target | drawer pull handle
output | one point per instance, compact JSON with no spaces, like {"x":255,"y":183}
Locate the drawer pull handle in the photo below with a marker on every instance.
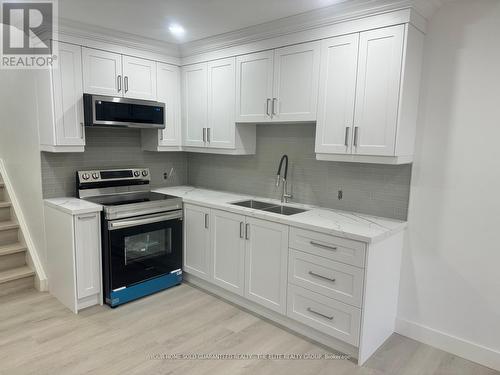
{"x":319,"y":314}
{"x":314,"y":243}
{"x":321,"y":276}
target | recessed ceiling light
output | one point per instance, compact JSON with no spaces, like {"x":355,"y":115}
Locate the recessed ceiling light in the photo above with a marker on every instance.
{"x":176,"y":29}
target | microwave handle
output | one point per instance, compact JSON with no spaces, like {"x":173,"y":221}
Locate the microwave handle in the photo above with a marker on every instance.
{"x":142,"y":221}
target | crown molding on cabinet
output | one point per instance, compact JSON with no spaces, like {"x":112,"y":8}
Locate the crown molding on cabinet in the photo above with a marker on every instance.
{"x":114,"y":41}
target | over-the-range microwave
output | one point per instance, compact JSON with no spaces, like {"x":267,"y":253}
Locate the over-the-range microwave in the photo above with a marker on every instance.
{"x":109,"y":111}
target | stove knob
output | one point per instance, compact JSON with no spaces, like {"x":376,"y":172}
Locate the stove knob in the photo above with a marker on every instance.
{"x":85,"y":176}
{"x":95,"y":176}
{"x":144,"y":173}
{"x":137,"y":173}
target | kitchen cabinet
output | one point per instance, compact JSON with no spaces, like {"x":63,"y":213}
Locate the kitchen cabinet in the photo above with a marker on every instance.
{"x":368,"y":96}
{"x":196,"y":259}
{"x":279,"y":85}
{"x":139,"y":78}
{"x":221,"y":101}
{"x":195,"y":102}
{"x":266,"y":263}
{"x":168,"y":92}
{"x":60,"y":103}
{"x":228,"y":250}
{"x":113,"y":74}
{"x":254,"y":87}
{"x":74,"y":256}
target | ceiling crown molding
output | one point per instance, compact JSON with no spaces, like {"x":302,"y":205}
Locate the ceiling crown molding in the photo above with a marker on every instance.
{"x":99,"y":34}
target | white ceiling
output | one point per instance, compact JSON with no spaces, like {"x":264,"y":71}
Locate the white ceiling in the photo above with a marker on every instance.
{"x":200,"y":18}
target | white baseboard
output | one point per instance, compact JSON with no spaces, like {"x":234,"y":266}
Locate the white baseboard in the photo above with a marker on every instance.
{"x":463,"y":348}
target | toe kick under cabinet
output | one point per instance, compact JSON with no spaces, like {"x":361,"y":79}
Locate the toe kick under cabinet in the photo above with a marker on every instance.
{"x":337,"y":291}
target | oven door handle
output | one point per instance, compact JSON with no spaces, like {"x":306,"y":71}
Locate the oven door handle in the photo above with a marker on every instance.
{"x":143,"y":220}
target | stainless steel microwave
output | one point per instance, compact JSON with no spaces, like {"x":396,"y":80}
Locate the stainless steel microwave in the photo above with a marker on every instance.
{"x":109,"y":111}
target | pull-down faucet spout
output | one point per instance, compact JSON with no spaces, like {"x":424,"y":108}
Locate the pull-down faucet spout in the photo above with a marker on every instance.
{"x":284,"y":194}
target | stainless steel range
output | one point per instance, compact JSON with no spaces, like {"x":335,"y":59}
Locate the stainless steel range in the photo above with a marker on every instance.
{"x":141,"y":233}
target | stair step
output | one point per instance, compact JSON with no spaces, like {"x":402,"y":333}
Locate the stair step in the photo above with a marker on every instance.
{"x":12,"y":249}
{"x":8,"y":225}
{"x":15,"y":274}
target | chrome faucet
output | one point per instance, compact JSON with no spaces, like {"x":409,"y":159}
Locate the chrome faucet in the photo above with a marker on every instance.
{"x":285,"y":196}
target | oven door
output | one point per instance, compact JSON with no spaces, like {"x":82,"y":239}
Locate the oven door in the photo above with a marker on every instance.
{"x":144,"y":247}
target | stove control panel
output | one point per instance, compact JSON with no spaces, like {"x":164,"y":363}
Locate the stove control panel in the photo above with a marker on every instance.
{"x":86,"y":177}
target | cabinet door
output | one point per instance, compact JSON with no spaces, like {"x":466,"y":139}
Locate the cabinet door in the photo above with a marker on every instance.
{"x":197,"y":241}
{"x":377,"y":93}
{"x":194,"y":81}
{"x":102,"y":72}
{"x":337,"y":89}
{"x":228,"y":250}
{"x":221,"y":94}
{"x":169,"y":92}
{"x":254,"y":87}
{"x":296,"y":78}
{"x":88,"y":254}
{"x":266,"y":263}
{"x":139,"y":78}
{"x":68,"y":96}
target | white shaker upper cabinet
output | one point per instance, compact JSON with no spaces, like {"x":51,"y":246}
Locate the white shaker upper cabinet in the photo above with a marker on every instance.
{"x":139,"y":78}
{"x":377,"y":93}
{"x":266,"y":263}
{"x":194,"y":80}
{"x":68,"y":97}
{"x":102,"y":72}
{"x":168,"y":92}
{"x":221,"y":93}
{"x":337,"y":89}
{"x":254,"y":87}
{"x":228,"y":250}
{"x":296,"y":78}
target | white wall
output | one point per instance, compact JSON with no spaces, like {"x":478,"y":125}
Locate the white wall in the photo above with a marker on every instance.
{"x":450,"y":281}
{"x":19,"y":148}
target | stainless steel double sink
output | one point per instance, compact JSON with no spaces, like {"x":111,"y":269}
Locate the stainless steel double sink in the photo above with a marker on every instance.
{"x":269,"y":207}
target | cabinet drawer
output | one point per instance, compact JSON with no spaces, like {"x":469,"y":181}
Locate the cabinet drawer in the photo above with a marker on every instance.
{"x":331,"y":247}
{"x":327,"y":315}
{"x":332,"y":279}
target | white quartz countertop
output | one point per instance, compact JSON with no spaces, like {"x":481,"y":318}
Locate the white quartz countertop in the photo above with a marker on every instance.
{"x":345,"y":224}
{"x":73,"y":206}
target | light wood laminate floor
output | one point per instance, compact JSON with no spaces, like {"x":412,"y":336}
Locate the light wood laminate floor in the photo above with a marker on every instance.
{"x":40,"y":336}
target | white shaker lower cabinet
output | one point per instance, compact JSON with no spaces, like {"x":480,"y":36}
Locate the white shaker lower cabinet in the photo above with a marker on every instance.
{"x":337,"y":291}
{"x":196,"y":258}
{"x":60,"y":103}
{"x":228,"y":250}
{"x":74,"y":257}
{"x":266,"y":263}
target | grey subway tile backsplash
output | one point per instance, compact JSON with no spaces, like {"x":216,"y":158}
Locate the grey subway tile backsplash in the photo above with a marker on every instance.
{"x":374,"y":189}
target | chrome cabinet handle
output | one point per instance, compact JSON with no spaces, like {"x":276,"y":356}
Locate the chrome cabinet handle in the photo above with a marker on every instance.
{"x":275,"y":101}
{"x":206,"y":221}
{"x":204,"y":134}
{"x":356,"y":135}
{"x":208,"y":135}
{"x":242,"y":224}
{"x":267,"y":106}
{"x":346,"y":140}
{"x":119,"y":82}
{"x":314,"y":243}
{"x":126,"y":83}
{"x":247,"y":231}
{"x":321,"y":276}
{"x":83,"y":130}
{"x":319,"y":314}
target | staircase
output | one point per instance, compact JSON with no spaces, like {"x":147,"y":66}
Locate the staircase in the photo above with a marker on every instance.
{"x":15,"y":274}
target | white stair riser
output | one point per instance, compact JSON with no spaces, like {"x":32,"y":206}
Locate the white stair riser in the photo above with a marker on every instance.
{"x":5,"y":213}
{"x":12,"y":261}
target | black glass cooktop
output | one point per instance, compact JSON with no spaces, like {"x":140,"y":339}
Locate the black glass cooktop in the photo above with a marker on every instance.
{"x":128,"y":198}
